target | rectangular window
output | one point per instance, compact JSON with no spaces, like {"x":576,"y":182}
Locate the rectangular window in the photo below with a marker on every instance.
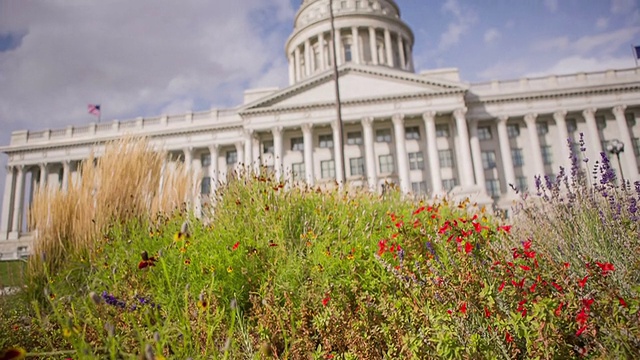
{"x":325,"y":141}
{"x":631,"y":119}
{"x":547,"y":155}
{"x":357,"y":166}
{"x":412,"y":133}
{"x":449,"y":184}
{"x":446,"y":158}
{"x":383,"y":135}
{"x":205,"y":160}
{"x":267,"y":147}
{"x":601,"y":122}
{"x":297,"y":144}
{"x":572,"y":126}
{"x":232,"y":157}
{"x":354,"y":138}
{"x":542,"y":127}
{"x":636,"y":146}
{"x":419,"y":188}
{"x":488,"y":160}
{"x":493,"y":187}
{"x":298,"y":171}
{"x":484,"y":133}
{"x":442,"y":130}
{"x":328,"y":169}
{"x":347,"y":52}
{"x":205,"y":186}
{"x":386,"y":163}
{"x":513,"y":130}
{"x":521,"y":183}
{"x":416,"y":161}
{"x":516,"y":157}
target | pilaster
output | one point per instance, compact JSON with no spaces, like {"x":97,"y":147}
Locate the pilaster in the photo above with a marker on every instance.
{"x":505,"y":153}
{"x":401,"y":151}
{"x":561,"y":124}
{"x":594,"y":147}
{"x":277,"y":149}
{"x":355,"y":40}
{"x":307,"y":135}
{"x":18,"y":204}
{"x":7,"y":202}
{"x":66,"y":172}
{"x":44,"y":174}
{"x":369,"y":153}
{"x":465,"y":166}
{"x":248,"y":149}
{"x":432,"y":151}
{"x":387,"y":47}
{"x":296,"y":55}
{"x":323,"y":56}
{"x":338,"y":156}
{"x":629,"y":157}
{"x":373,"y":46}
{"x":476,"y":154}
{"x":534,"y":141}
{"x":213,"y":168}
{"x":403,"y":60}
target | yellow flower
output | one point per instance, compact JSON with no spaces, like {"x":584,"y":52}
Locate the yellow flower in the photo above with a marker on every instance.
{"x":187,"y":261}
{"x":183,"y":249}
{"x":229,"y":269}
{"x":66,"y":332}
{"x":13,"y":353}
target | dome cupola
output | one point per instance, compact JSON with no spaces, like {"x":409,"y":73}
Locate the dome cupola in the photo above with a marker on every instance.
{"x":368,"y":32}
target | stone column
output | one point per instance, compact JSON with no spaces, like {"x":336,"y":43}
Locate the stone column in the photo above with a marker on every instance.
{"x":476,"y":153}
{"x":338,"y":156}
{"x":292,"y":70}
{"x":17,"y":204}
{"x":248,"y":149}
{"x":561,"y":124}
{"x":355,"y":43}
{"x":239,"y":153}
{"x":403,"y":61}
{"x":296,"y":54}
{"x":188,"y":157}
{"x":505,"y":152}
{"x":66,"y":169}
{"x":465,"y":165}
{"x":387,"y":47}
{"x":307,"y":58}
{"x":432,"y":151}
{"x":401,"y":152}
{"x":629,"y":157}
{"x":373,"y":46}
{"x":213,"y":168}
{"x":277,"y":151}
{"x":5,"y":222}
{"x":369,"y":153}
{"x":323,"y":64}
{"x":594,"y":147}
{"x":44,"y":174}
{"x":538,"y":165}
{"x":410,"y":64}
{"x":339,"y":49}
{"x":307,"y":135}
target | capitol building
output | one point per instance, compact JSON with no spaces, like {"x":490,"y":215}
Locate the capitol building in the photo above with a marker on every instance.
{"x":429,"y":133}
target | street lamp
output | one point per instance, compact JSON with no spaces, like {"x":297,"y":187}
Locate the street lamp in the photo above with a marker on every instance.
{"x":615,"y":147}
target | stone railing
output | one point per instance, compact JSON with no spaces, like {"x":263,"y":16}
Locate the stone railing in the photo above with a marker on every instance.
{"x":116,"y":127}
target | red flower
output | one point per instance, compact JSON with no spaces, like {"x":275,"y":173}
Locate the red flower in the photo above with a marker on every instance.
{"x":478,"y":227}
{"x":419,"y":210}
{"x":566,"y":265}
{"x":416,"y":223}
{"x":400,"y":224}
{"x":487,"y":313}
{"x":533,"y":287}
{"x":519,"y":284}
{"x":587,"y":303}
{"x":582,"y":317}
{"x":525,"y":267}
{"x":559,"y":309}
{"x":444,"y":228}
{"x":501,"y":287}
{"x":463,"y":308}
{"x":521,"y":307}
{"x":468,"y":247}
{"x":526,"y":245}
{"x":605,"y":267}
{"x":382,"y":246}
{"x":508,"y":337}
{"x":325,"y":301}
{"x":235,"y":246}
{"x":505,"y":228}
{"x":530,"y":254}
{"x":622,"y":302}
{"x":558,"y":287}
{"x":583,"y":282}
{"x":581,"y":330}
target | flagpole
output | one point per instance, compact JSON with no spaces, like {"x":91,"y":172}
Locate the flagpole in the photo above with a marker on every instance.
{"x":337,"y":86}
{"x":635,"y":54}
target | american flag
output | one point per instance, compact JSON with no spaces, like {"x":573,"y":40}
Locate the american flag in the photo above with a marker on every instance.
{"x":94,"y":109}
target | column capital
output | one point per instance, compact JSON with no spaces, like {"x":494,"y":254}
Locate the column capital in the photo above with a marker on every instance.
{"x":276,"y":130}
{"x":398,"y":119}
{"x":9,"y":168}
{"x":502,"y":119}
{"x":213,"y":148}
{"x":306,"y":128}
{"x":530,"y":118}
{"x":248,"y":133}
{"x":239,"y":145}
{"x":429,"y":115}
{"x":619,"y":110}
{"x":460,"y":112}
{"x":187,"y":149}
{"x":559,"y":115}
{"x":334,"y":125}
{"x":589,"y":112}
{"x":367,"y":121}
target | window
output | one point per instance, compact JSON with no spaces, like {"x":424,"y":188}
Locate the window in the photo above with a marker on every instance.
{"x":267,"y":147}
{"x":636,"y":146}
{"x":205,"y":186}
{"x":386,"y":163}
{"x":358,"y":5}
{"x":412,"y":132}
{"x":449,"y":184}
{"x":328,"y":169}
{"x":297,"y":144}
{"x":354,"y":138}
{"x":205,"y":160}
{"x":547,"y":155}
{"x":326,"y":141}
{"x":383,"y":135}
{"x":419,"y":188}
{"x":521,"y":183}
{"x":513,"y":130}
{"x":316,"y":57}
{"x":493,"y":187}
{"x":343,"y":4}
{"x":442,"y":130}
{"x":601,"y":122}
{"x":347,"y":53}
{"x":516,"y":157}
{"x":416,"y":161}
{"x":446,"y":158}
{"x":542,"y":128}
{"x":488,"y":160}
{"x":484,"y":133}
{"x":631,"y":119}
{"x":572,"y":126}
{"x":232,"y":157}
{"x":298,"y":171}
{"x":357,"y":166}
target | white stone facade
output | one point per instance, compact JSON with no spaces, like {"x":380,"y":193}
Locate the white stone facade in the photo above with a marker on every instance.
{"x":429,"y":133}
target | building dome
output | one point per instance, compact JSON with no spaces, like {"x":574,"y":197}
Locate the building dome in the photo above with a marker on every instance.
{"x":370,"y":33}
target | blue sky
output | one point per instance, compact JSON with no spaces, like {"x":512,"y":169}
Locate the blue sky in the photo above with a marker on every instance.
{"x":149,"y":57}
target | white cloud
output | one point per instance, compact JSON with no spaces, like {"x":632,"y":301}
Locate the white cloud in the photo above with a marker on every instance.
{"x":603,"y":43}
{"x":551,"y":5}
{"x":463,"y":19}
{"x":504,"y":69}
{"x":623,"y":6}
{"x":554,"y":44}
{"x":574,"y":64}
{"x":491,"y":35}
{"x":602,"y":23}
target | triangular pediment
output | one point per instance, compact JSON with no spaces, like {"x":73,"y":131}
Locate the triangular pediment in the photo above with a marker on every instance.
{"x":357,"y":83}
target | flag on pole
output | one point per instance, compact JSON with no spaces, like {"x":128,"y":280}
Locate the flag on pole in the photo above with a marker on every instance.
{"x":636,"y":50}
{"x":94,"y":109}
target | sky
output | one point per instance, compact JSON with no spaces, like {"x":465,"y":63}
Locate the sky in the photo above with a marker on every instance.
{"x":152,"y":57}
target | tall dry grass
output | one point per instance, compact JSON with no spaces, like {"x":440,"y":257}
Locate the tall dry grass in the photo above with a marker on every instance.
{"x":128,"y":181}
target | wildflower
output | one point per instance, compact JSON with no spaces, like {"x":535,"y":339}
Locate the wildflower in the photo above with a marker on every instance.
{"x":202,"y":302}
{"x":518,"y":284}
{"x":525,"y":267}
{"x":501,"y":286}
{"x":582,"y":317}
{"x":487,"y":313}
{"x":468,"y":247}
{"x":526,"y":245}
{"x":325,"y":301}
{"x":505,"y":228}
{"x":605,"y":267}
{"x":400,"y":224}
{"x":508,"y":337}
{"x":587,"y":303}
{"x":235,"y":246}
{"x":558,"y":287}
{"x":558,"y":310}
{"x":187,"y":261}
{"x":229,"y":269}
{"x":566,"y":265}
{"x":622,"y":302}
{"x":463,"y":307}
{"x":382,"y":246}
{"x":419,"y":210}
{"x":13,"y":353}
{"x":146,"y":261}
{"x":581,"y":330}
{"x":533,"y":287}
{"x":583,"y":282}
{"x":529,"y":254}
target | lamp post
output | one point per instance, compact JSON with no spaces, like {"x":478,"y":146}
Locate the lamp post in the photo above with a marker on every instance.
{"x":615,"y":147}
